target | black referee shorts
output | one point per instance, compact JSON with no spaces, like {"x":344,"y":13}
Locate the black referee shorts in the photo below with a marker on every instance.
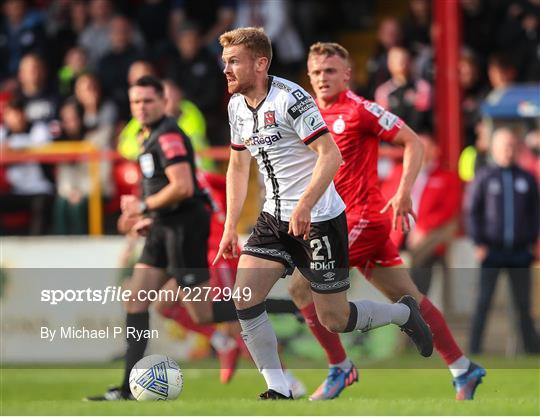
{"x":323,"y":259}
{"x":179,"y":243}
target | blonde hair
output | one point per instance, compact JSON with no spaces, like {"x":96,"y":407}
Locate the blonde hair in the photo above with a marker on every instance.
{"x":253,"y":39}
{"x":329,"y":49}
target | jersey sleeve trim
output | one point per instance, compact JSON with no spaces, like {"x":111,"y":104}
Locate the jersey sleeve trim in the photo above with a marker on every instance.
{"x":315,"y":135}
{"x":237,"y":147}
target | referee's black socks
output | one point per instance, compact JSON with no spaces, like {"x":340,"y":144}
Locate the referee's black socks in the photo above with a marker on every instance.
{"x":135,"y":345}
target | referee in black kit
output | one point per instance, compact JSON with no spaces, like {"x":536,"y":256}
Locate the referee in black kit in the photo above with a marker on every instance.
{"x":174,"y":216}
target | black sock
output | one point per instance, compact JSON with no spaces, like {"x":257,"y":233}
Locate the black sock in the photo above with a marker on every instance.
{"x":224,"y":311}
{"x":135,"y":349}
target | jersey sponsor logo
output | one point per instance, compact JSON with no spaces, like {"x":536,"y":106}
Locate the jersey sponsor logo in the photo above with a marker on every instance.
{"x":172,"y":145}
{"x":339,"y":125}
{"x":270,"y":119}
{"x":146,"y":162}
{"x":255,"y":140}
{"x":388,"y":120}
{"x":302,"y":105}
{"x":374,"y":108}
{"x":281,"y":86}
{"x":314,"y":121}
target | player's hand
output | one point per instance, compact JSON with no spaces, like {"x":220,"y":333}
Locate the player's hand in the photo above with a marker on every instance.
{"x":142,"y":226}
{"x":300,"y":223}
{"x":228,"y":247}
{"x":401,"y":203}
{"x":130,"y":205}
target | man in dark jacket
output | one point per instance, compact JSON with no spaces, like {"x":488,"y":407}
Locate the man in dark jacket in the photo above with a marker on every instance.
{"x":502,"y":217}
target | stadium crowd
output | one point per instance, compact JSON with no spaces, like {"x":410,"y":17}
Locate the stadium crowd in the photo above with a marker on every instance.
{"x":64,"y":76}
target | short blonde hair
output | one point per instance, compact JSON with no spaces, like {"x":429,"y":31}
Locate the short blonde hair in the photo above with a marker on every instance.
{"x":329,"y":49}
{"x":253,"y":39}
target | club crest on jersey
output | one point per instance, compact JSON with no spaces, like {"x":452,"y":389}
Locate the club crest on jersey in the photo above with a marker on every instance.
{"x":146,"y":162}
{"x":339,"y":125}
{"x":270,"y":119}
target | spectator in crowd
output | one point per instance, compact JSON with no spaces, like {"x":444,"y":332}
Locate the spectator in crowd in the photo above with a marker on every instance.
{"x":72,"y":182}
{"x":502,"y":220}
{"x":479,"y":23}
{"x":66,"y":20}
{"x":21,"y":31}
{"x":213,"y":17}
{"x":38,"y":95}
{"x":75,"y":64}
{"x":98,"y":113}
{"x":114,"y":66}
{"x":197,"y":73}
{"x":404,"y":95}
{"x":150,"y":16}
{"x":436,"y":224}
{"x":274,"y":17}
{"x":95,"y":37}
{"x":475,"y":156}
{"x":417,"y":25}
{"x":502,"y":70}
{"x":389,"y":35}
{"x":520,"y":32}
{"x":29,"y":190}
{"x":473,"y":92}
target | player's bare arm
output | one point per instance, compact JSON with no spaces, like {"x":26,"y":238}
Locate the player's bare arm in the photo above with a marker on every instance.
{"x":401,"y":202}
{"x":328,"y":162}
{"x":180,"y":187}
{"x":237,"y":185}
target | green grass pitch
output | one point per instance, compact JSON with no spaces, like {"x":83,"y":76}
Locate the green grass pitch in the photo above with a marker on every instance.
{"x":398,"y":387}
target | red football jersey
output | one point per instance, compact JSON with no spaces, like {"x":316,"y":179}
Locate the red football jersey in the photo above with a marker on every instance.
{"x":358,"y":125}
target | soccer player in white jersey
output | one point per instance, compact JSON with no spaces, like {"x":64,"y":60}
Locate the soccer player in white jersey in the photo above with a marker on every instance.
{"x":303,"y":222}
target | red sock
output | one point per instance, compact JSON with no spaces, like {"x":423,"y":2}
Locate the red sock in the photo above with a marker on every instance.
{"x":329,"y":341}
{"x":443,"y":340}
{"x":181,"y":316}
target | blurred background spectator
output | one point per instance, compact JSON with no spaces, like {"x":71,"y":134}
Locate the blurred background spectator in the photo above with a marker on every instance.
{"x":389,"y":34}
{"x":503,"y":222}
{"x":29,"y":190}
{"x":274,"y":17}
{"x":114,"y":65}
{"x":404,"y":94}
{"x":21,"y":31}
{"x":196,"y":71}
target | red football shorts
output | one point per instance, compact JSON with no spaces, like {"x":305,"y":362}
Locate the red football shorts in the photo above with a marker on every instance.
{"x":369,"y":242}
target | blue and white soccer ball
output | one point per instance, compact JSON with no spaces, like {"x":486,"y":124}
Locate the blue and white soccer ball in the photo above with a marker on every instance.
{"x":156,"y":378}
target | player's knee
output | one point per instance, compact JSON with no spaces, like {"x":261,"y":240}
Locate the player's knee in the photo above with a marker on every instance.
{"x":333,"y":321}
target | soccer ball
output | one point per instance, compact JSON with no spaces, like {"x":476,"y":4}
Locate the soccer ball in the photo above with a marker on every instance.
{"x":156,"y":378}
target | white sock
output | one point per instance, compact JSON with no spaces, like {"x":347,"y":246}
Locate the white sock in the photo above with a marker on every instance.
{"x":276,"y":380}
{"x":221,"y":342}
{"x":261,"y":342}
{"x":373,"y":315}
{"x":344,"y":365}
{"x":460,"y":366}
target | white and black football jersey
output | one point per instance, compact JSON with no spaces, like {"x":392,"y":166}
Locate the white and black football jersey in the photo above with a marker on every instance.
{"x":277,"y":133}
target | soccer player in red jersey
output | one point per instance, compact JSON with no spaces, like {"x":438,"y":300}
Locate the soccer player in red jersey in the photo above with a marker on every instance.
{"x":357,"y":126}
